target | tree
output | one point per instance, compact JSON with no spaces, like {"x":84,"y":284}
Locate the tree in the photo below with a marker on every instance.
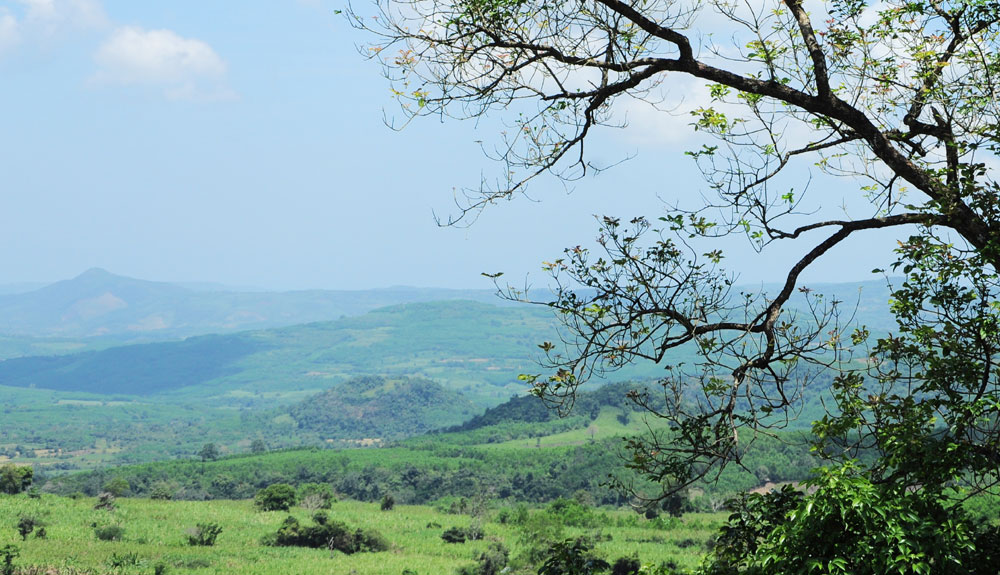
{"x":117,"y":486}
{"x":275,"y":497}
{"x":209,"y":452}
{"x":15,"y":478}
{"x":897,"y":99}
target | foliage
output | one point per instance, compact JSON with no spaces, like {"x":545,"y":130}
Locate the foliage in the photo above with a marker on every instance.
{"x":203,"y":534}
{"x":162,"y":491}
{"x":453,"y":535}
{"x":333,"y":535}
{"x":885,"y":530}
{"x":15,"y":478}
{"x":118,"y":487}
{"x":8,"y":553}
{"x":572,"y":557}
{"x":209,"y":452}
{"x":626,"y":566}
{"x":896,"y":96}
{"x":492,"y":561}
{"x":275,"y":497}
{"x":26,"y":524}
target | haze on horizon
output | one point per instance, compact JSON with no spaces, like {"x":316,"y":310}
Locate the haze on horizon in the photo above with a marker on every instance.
{"x":185,"y":141}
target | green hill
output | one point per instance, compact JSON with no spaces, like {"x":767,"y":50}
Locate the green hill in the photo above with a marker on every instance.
{"x":376,"y":408}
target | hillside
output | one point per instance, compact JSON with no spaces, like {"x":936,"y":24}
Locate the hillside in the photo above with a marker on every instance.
{"x":377,"y":409}
{"x":144,"y":402}
{"x":477,"y":348}
{"x":511,"y":451}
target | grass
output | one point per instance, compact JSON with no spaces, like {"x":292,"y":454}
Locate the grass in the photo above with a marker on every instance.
{"x":154,"y":532}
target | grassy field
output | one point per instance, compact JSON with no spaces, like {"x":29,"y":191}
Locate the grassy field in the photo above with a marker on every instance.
{"x":154,"y":534}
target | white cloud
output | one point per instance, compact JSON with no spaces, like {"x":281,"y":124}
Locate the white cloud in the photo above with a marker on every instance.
{"x":185,"y":68}
{"x":50,"y":17}
{"x":9,"y":33}
{"x":42,"y":22}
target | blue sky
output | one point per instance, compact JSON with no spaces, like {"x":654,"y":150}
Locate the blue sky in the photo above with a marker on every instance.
{"x":244,"y":143}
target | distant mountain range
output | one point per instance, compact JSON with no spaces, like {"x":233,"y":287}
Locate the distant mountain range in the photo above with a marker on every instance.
{"x":99,"y":303}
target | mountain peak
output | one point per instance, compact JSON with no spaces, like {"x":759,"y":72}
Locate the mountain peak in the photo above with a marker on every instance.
{"x":95,"y":273}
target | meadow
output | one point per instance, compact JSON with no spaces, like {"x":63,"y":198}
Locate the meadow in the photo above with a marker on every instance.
{"x":154,"y":537}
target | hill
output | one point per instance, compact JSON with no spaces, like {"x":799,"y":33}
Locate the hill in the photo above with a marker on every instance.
{"x":377,"y":409}
{"x":477,"y":348}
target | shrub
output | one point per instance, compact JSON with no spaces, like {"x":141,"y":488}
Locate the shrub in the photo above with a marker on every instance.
{"x":572,"y":557}
{"x":161,"y":490}
{"x":454,"y":535}
{"x":572,"y":513}
{"x":388,"y":502}
{"x":26,"y":524}
{"x":105,"y":501}
{"x":109,"y":533}
{"x":203,"y":534}
{"x":493,"y":560}
{"x":8,"y":553}
{"x":626,"y":566}
{"x":333,"y":535}
{"x":276,"y":497}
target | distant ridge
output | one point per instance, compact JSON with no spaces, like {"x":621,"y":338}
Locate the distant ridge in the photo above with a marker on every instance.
{"x":100,"y":303}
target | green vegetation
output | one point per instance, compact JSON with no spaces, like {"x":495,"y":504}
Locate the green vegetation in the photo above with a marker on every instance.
{"x":15,"y":478}
{"x":275,"y":497}
{"x":514,"y":450}
{"x":152,"y":533}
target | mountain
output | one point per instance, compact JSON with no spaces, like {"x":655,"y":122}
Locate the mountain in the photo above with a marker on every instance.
{"x":98,"y":303}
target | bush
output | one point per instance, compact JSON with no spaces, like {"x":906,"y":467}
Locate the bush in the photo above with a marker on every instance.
{"x":572,"y":513}
{"x":162,"y":491}
{"x":626,"y":566}
{"x":105,"y":501}
{"x":493,"y":560}
{"x":454,"y":535}
{"x":109,"y":533}
{"x":26,"y":524}
{"x":333,"y":535}
{"x":572,"y":557}
{"x":203,"y":534}
{"x":276,"y":497}
{"x":388,"y":502}
{"x":8,"y":553}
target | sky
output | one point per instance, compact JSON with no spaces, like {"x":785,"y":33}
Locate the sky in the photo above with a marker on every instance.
{"x":245,"y":143}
